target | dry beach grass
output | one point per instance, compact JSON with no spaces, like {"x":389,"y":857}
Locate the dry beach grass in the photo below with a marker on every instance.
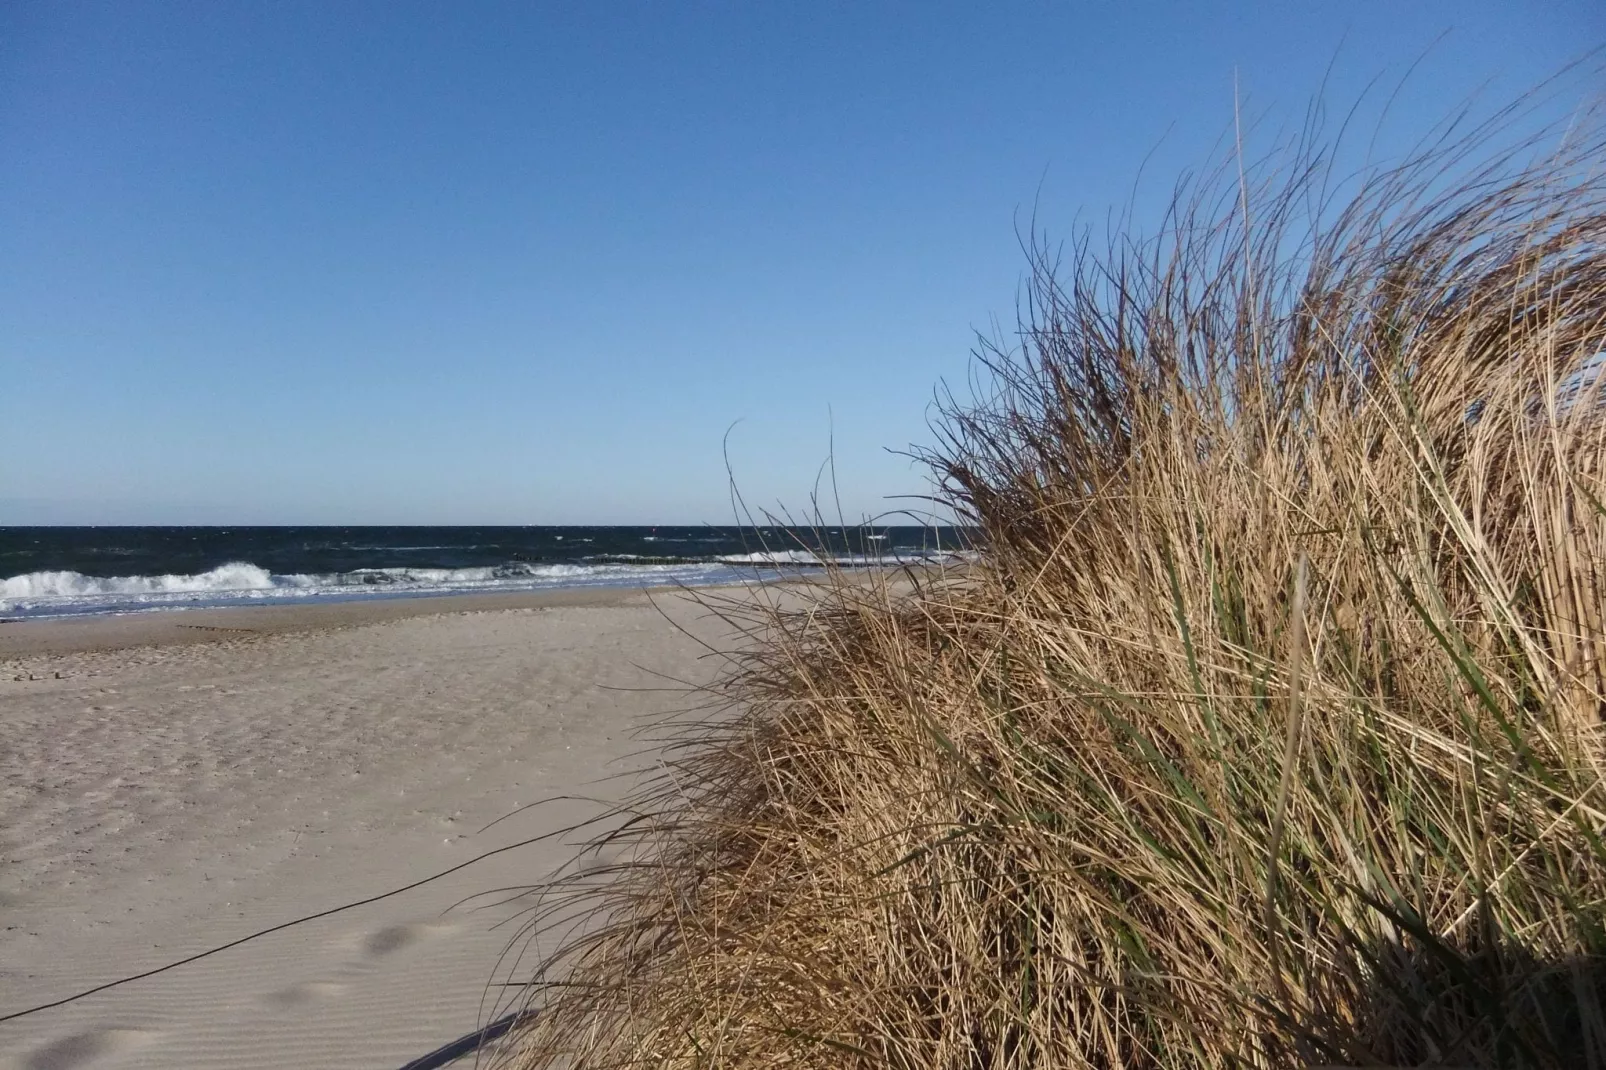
{"x":1265,"y":731}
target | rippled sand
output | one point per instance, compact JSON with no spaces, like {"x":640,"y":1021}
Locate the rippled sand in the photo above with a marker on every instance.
{"x":172,"y":782}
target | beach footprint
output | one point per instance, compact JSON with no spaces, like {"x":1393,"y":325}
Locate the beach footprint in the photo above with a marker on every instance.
{"x":393,"y":938}
{"x":303,"y":994}
{"x":82,"y":1049}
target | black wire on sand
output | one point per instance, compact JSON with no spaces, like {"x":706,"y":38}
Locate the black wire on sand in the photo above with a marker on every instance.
{"x":449,"y":1053}
{"x":285,"y":925}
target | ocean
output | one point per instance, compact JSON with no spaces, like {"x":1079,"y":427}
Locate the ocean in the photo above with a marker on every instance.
{"x":64,"y":571}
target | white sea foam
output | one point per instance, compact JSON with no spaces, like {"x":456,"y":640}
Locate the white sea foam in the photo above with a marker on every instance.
{"x":60,"y":593}
{"x":234,"y":576}
{"x":807,"y":557}
{"x":42,"y":594}
{"x":773,"y":557}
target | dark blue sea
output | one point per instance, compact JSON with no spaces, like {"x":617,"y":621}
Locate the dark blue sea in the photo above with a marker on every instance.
{"x":57,"y":571}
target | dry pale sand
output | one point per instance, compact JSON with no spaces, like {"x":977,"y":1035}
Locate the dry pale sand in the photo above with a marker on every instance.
{"x":176,"y":781}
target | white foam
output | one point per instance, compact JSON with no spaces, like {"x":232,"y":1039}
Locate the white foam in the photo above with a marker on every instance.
{"x":806,"y":557}
{"x":773,"y":557}
{"x":60,"y":593}
{"x":43,"y":594}
{"x":234,"y":576}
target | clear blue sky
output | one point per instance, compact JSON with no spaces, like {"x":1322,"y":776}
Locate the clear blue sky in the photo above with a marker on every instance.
{"x":525,"y":263}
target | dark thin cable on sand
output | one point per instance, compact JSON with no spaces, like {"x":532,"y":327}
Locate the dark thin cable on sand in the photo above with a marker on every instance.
{"x":282,"y":925}
{"x":449,"y":1053}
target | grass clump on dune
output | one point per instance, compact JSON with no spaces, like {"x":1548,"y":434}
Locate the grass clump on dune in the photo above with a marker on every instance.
{"x":1266,"y":730}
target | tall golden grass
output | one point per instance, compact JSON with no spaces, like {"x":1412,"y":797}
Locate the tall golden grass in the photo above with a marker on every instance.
{"x":1266,"y":727}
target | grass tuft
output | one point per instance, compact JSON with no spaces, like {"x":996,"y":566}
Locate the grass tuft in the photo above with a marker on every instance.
{"x":1266,"y":727}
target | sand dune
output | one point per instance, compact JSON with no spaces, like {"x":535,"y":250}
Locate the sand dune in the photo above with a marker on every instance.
{"x":164,"y":791}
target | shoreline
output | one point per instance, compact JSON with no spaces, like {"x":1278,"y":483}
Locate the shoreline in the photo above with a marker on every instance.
{"x":93,"y":633}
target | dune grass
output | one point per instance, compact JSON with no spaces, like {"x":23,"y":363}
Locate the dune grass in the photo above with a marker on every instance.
{"x":1266,"y":728}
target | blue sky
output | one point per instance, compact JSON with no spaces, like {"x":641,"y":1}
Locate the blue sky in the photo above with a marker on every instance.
{"x":526,"y":263}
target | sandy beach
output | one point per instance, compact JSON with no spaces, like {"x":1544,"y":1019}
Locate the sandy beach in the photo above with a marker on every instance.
{"x":170,"y":782}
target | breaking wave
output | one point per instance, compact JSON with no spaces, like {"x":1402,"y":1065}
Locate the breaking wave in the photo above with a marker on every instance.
{"x":235,"y":576}
{"x":59,"y":593}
